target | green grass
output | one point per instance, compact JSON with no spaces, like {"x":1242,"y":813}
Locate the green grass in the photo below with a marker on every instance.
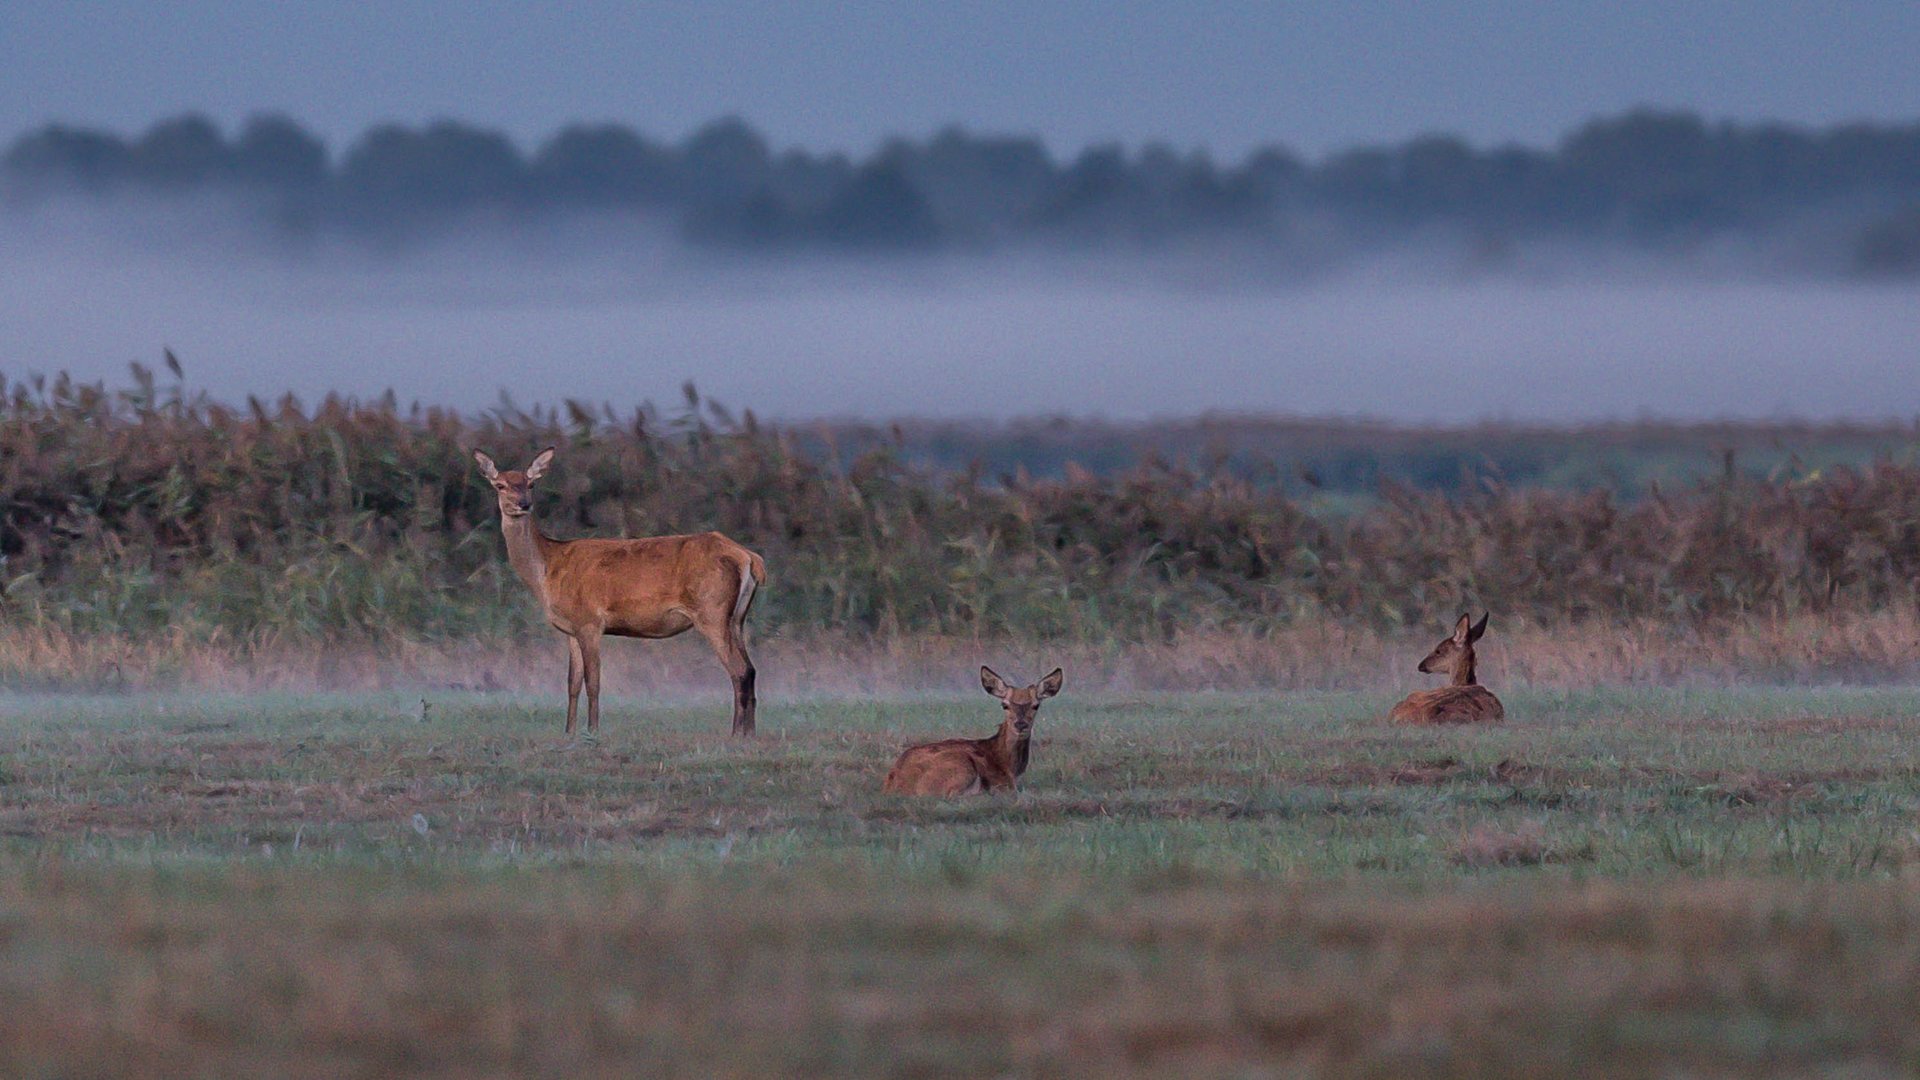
{"x":1644,"y":881}
{"x":1815,"y":783}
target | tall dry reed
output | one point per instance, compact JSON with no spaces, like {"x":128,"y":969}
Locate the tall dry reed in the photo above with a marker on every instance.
{"x":146,"y":510}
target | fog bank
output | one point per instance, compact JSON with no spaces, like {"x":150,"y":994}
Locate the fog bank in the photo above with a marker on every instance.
{"x":957,"y":337}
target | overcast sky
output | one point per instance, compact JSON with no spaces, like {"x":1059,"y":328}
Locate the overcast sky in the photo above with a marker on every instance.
{"x":1223,"y":74}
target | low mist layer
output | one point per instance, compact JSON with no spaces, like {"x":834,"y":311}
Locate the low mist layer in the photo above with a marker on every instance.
{"x":955,"y":336}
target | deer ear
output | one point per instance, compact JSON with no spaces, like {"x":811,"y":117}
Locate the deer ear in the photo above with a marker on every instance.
{"x":1479,"y":628}
{"x":1050,"y":685}
{"x":991,"y":683}
{"x":487,"y":468}
{"x":540,"y":462}
{"x":1462,"y":628}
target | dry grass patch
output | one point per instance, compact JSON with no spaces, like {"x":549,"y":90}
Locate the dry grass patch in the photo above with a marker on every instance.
{"x":349,"y":973}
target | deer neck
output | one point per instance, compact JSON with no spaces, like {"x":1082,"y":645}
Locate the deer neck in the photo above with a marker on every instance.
{"x":1012,"y":748}
{"x":1463,"y":674}
{"x":527,"y":551}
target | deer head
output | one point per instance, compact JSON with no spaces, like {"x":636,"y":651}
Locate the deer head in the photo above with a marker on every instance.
{"x":1454,"y":654}
{"x":513,"y":487}
{"x":1022,"y":703}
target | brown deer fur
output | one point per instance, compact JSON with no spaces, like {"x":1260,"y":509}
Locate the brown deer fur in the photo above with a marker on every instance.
{"x":973,"y":766}
{"x":1463,"y":700}
{"x":650,"y":588}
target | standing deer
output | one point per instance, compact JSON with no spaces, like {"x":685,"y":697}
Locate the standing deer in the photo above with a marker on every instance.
{"x":971,"y":766}
{"x":649,"y":588}
{"x":1463,"y":700}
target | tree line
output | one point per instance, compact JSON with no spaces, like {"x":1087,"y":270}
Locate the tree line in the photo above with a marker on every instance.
{"x":1645,"y":178}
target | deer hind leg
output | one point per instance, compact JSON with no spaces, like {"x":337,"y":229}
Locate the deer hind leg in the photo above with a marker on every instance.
{"x":728,"y":644}
{"x":963,"y":778}
{"x":576,"y":677}
{"x":589,"y":645}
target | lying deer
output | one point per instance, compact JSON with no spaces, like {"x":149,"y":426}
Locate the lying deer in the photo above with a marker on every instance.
{"x":971,"y":766}
{"x":651,"y":588}
{"x":1463,"y":700}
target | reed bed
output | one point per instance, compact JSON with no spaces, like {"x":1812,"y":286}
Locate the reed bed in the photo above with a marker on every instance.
{"x":144,"y":525}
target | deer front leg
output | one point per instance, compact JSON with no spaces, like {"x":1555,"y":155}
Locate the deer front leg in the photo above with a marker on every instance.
{"x":576,"y":677}
{"x":590,"y":666}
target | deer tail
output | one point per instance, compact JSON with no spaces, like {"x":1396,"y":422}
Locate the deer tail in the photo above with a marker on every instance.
{"x":752,"y":576}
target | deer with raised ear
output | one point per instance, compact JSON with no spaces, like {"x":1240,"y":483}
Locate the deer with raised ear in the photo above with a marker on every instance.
{"x":1463,"y":700}
{"x":655,"y":587}
{"x":973,"y":766}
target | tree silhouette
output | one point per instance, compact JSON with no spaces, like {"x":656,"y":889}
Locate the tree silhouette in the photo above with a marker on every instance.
{"x":725,"y":160}
{"x":185,"y":152}
{"x":394,"y":174}
{"x":878,"y":208}
{"x":604,"y":165}
{"x":274,"y":152}
{"x":58,"y":157}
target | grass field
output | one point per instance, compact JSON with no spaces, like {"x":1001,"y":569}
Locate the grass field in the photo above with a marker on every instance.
{"x":1647,"y":881}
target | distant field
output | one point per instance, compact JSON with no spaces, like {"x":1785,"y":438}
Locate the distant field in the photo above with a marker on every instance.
{"x":1647,"y":880}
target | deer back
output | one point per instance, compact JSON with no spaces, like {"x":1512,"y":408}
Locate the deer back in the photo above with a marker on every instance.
{"x":636,"y":583}
{"x":947,"y":768}
{"x":1449,"y":705}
